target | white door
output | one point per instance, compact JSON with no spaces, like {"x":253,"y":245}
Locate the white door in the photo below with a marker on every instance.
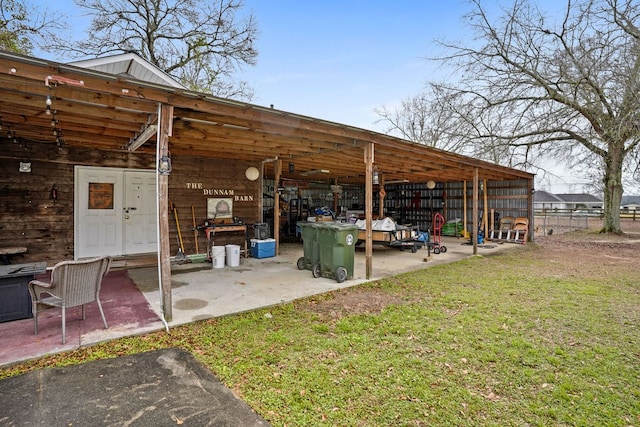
{"x":115,"y":212}
{"x":140,"y":212}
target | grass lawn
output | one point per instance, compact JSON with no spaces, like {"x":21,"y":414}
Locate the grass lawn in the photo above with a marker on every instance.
{"x":542,"y":336}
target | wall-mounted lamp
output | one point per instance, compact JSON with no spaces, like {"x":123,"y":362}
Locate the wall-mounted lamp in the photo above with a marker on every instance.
{"x":431,"y":185}
{"x":376,"y":177}
{"x":164,"y":165}
{"x":252,"y":173}
{"x":292,"y":167}
{"x":53,"y":195}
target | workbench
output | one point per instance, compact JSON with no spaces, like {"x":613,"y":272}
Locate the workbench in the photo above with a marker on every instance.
{"x":211,"y":230}
{"x":15,"y":301}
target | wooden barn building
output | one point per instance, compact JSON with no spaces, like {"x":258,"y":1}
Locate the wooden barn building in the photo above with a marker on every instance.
{"x":98,"y":157}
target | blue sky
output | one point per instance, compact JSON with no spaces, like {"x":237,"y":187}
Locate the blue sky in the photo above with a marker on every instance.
{"x":339,"y":60}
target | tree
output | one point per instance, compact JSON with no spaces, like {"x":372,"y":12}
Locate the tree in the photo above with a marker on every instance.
{"x":23,"y":26}
{"x":568,"y":90}
{"x":198,"y":42}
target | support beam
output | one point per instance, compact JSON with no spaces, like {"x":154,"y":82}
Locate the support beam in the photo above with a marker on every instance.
{"x":276,"y":205}
{"x":485,"y":208}
{"x":368,"y":197}
{"x":164,"y":131}
{"x":530,"y":212}
{"x":381,"y":195}
{"x":465,"y":215}
{"x":474,"y":232}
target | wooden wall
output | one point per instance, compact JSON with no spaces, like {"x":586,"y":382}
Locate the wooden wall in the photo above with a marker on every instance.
{"x":28,"y":216}
{"x":196,"y":179}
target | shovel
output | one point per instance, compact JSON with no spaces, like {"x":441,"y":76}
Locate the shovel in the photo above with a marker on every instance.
{"x":180,"y":256}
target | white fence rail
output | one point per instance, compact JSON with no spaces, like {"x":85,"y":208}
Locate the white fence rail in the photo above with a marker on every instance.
{"x":562,"y":220}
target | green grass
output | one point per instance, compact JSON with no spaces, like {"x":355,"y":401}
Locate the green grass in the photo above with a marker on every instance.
{"x":507,"y":340}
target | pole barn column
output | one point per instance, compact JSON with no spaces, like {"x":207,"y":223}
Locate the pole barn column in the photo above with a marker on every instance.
{"x":368,"y":197}
{"x":164,"y":131}
{"x":276,"y":205}
{"x":474,"y":231}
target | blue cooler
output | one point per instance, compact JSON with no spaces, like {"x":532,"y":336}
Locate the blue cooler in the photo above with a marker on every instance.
{"x":263,"y":248}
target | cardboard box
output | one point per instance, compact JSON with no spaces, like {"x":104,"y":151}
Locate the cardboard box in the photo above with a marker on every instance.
{"x":263,"y":248}
{"x":376,"y":236}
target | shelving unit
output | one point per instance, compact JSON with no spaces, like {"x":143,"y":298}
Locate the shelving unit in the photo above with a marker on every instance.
{"x":413,"y":204}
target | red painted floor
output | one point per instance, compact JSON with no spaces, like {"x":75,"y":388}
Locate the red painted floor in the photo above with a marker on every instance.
{"x":125,"y":307}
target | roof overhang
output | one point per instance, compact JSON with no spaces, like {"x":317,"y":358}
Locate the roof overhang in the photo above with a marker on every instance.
{"x":108,"y":111}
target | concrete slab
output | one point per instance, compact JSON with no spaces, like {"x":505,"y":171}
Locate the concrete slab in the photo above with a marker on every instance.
{"x":159,"y":388}
{"x":201,"y":292}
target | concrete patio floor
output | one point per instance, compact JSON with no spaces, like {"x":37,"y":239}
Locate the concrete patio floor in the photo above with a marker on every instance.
{"x":201,"y":292}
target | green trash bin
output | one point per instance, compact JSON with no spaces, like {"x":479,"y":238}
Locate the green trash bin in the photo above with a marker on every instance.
{"x":311,"y":250}
{"x":337,"y":242}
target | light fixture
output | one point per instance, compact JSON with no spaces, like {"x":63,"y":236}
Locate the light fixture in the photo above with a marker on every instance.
{"x":48,"y":103}
{"x":314,"y":172}
{"x":431,"y":184}
{"x":292,"y":167}
{"x":54,"y":195}
{"x":252,"y":173}
{"x":148,"y":132}
{"x":164,"y":165}
{"x":376,"y":177}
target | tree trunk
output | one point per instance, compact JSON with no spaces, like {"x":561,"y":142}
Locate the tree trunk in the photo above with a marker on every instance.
{"x":612,"y":191}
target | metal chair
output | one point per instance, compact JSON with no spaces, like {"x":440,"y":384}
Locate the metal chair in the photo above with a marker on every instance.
{"x":73,"y":283}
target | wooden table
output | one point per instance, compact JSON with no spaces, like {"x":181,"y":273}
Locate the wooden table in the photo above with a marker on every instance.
{"x":15,"y":301}
{"x":222,"y":228}
{"x":8,"y":251}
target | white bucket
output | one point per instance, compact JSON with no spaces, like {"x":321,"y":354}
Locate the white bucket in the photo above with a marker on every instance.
{"x":233,"y":255}
{"x":217,"y":256}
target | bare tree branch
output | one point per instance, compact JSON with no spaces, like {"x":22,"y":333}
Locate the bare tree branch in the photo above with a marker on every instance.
{"x":201,"y":43}
{"x":530,"y":88}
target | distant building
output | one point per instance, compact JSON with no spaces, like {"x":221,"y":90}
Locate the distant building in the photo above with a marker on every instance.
{"x":543,"y":200}
{"x":630,"y":203}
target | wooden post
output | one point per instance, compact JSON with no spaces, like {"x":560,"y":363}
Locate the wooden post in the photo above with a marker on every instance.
{"x":164,"y":131}
{"x":276,"y":205}
{"x":465,"y":221}
{"x":368,"y":196}
{"x":531,"y":213}
{"x":485,"y":214}
{"x":475,"y":212}
{"x":381,"y":195}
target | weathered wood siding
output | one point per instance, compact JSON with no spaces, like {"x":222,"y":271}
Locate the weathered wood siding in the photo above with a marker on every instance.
{"x":30,"y":218}
{"x":193,"y":181}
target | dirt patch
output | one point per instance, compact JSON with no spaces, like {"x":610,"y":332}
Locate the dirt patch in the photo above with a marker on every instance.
{"x":354,"y":301}
{"x":580,"y":253}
